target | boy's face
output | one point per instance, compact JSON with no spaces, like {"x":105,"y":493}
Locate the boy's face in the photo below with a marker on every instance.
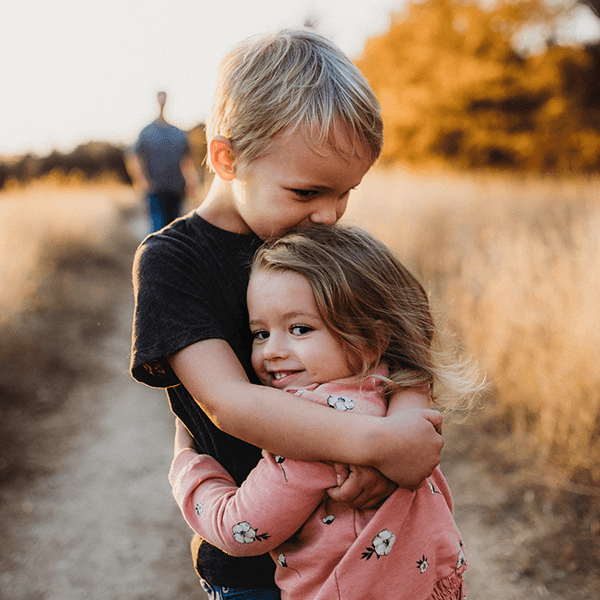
{"x":292,"y":346}
{"x":294,"y":184}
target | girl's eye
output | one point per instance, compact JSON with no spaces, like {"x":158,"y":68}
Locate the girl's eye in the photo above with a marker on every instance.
{"x":260,"y":335}
{"x":300,"y":329}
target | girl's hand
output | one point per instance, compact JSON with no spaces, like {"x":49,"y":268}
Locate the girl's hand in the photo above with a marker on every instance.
{"x":360,"y":487}
{"x":183,"y":439}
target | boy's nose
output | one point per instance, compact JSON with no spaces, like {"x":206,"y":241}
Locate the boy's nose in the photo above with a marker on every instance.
{"x":329,"y":212}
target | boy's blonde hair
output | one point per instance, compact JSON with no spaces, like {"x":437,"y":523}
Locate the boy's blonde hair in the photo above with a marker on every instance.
{"x":376,"y":307}
{"x":294,"y":78}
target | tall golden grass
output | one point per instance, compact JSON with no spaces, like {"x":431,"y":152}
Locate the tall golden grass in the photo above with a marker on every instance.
{"x":515,"y":264}
{"x":41,"y":220}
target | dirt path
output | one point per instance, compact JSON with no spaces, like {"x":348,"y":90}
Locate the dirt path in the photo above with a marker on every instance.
{"x":96,"y":519}
{"x":104,"y":525}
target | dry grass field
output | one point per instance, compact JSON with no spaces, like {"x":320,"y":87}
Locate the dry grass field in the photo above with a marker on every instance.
{"x":513,"y":267}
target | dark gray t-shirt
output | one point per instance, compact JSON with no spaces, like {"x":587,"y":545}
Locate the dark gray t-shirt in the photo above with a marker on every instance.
{"x":190,"y":283}
{"x":160,"y":148}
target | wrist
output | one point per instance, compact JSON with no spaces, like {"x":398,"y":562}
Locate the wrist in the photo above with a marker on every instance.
{"x":371,"y":442}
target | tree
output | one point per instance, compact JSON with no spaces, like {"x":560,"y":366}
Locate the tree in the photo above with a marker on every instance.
{"x":453,"y":86}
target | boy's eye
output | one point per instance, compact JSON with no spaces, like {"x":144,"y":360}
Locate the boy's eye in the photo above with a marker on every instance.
{"x":304,"y":194}
{"x":300,"y":329}
{"x":260,"y":335}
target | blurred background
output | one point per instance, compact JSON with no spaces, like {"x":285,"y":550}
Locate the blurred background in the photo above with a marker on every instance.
{"x":488,"y":188}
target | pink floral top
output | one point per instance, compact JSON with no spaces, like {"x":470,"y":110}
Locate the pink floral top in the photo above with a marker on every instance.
{"x":409,"y":548}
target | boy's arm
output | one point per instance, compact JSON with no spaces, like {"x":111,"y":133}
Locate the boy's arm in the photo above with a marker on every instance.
{"x":364,"y":487}
{"x":404,"y":446}
{"x":276,"y":498}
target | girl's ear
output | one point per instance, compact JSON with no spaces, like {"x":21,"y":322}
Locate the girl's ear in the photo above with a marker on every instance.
{"x":373,"y":353}
{"x":383,"y":335}
{"x":222,"y":157}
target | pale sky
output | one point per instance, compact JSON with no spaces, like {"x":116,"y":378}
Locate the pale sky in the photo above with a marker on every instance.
{"x":72,"y":71}
{"x":76,"y":70}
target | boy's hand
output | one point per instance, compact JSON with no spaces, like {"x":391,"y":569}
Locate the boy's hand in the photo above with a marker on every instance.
{"x":183,"y":439}
{"x":360,"y":487}
{"x":410,"y":446}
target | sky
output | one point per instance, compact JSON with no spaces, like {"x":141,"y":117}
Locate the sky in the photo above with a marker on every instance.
{"x":73,"y":71}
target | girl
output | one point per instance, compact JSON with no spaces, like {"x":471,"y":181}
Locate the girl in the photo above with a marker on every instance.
{"x":338,"y":320}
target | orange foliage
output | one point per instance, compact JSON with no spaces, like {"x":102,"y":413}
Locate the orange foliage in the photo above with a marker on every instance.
{"x":453,"y":88}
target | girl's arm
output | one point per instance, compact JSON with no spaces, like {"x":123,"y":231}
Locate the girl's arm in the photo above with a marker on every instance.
{"x":409,"y":398}
{"x":274,"y":501}
{"x":405,"y":446}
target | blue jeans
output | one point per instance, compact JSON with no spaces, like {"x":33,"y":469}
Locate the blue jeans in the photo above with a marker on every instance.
{"x":163,"y":208}
{"x":215,"y":592}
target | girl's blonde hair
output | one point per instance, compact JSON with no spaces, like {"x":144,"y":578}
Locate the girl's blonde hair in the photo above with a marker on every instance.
{"x":377,"y":308}
{"x":294,"y":78}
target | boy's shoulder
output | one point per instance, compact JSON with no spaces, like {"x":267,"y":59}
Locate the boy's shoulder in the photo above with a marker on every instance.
{"x":193,"y":229}
{"x":194,"y":241}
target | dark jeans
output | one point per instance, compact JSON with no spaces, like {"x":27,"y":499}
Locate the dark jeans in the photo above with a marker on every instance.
{"x":163,"y":208}
{"x":215,"y":592}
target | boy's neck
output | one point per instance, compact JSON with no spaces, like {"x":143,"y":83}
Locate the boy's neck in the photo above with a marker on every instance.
{"x":219,"y":208}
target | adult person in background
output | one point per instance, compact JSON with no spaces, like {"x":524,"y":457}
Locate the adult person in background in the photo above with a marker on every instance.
{"x":160,"y":166}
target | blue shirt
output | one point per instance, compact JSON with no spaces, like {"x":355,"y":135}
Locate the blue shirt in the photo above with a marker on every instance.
{"x":160,"y":148}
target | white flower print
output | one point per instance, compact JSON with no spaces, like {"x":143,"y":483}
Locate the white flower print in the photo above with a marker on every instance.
{"x":340,"y":402}
{"x":279,"y":460}
{"x":243,"y":533}
{"x":462,"y":559}
{"x":199,"y":508}
{"x":328,"y":520}
{"x":383,"y":542}
{"x":422,"y":564}
{"x":283,"y":562}
{"x":381,"y":545}
{"x":432,"y":489}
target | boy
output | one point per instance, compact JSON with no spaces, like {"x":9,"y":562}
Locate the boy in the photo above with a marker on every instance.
{"x":294,"y":127}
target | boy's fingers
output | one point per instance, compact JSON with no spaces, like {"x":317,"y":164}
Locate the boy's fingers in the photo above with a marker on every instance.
{"x":363,"y":488}
{"x":436,"y":419}
{"x":342,"y":471}
{"x":348,"y":490}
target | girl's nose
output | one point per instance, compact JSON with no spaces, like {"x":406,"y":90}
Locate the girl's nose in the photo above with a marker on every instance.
{"x":275,"y":347}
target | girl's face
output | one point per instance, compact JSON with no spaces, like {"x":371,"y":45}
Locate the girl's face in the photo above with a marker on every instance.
{"x":292,"y":346}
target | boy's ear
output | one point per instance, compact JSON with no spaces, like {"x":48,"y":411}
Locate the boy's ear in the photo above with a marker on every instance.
{"x":222,"y":157}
